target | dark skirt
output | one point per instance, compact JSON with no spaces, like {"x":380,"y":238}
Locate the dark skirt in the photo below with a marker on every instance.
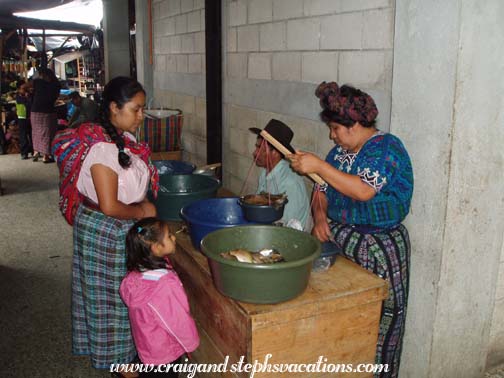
{"x":386,"y":254}
{"x":44,"y":127}
{"x":100,"y":322}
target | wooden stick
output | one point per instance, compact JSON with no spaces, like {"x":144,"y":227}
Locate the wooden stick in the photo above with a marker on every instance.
{"x":149,"y":6}
{"x":209,"y":166}
{"x":284,"y":150}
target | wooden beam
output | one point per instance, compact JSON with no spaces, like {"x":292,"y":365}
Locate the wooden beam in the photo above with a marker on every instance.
{"x":58,"y":49}
{"x":43,"y":58}
{"x":24,"y":57}
{"x":213,"y":56}
{"x":149,"y":5}
{"x":9,"y":34}
{"x":13,"y":22}
{"x":56,"y":35}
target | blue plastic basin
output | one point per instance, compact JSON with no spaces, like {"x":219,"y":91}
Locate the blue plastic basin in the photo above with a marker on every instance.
{"x":208,"y":215}
{"x":174,"y":167}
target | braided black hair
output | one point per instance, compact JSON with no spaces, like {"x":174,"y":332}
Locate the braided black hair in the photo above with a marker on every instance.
{"x":120,"y":90}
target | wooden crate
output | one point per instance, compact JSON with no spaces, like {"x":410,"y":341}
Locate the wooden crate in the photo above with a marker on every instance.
{"x":337,"y":317}
{"x":167,"y":155}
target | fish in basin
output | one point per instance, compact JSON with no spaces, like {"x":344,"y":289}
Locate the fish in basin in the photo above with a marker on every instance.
{"x":264,"y":256}
{"x":264,"y":198}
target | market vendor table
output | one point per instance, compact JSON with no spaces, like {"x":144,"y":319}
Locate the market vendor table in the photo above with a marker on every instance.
{"x":337,"y":317}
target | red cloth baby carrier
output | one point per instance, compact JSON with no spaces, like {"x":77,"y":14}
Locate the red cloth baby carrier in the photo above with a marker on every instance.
{"x":71,"y":146}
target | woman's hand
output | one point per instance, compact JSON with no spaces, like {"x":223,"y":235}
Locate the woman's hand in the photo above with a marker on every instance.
{"x":304,"y":162}
{"x":321,"y":230}
{"x":148,"y":208}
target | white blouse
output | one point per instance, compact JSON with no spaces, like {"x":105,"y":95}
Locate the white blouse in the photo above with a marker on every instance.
{"x":133,"y":182}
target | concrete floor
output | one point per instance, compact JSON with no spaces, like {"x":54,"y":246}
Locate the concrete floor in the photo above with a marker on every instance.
{"x":495,"y":373}
{"x":35,"y":271}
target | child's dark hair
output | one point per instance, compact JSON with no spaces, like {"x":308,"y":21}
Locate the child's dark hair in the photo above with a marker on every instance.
{"x":139,"y":239}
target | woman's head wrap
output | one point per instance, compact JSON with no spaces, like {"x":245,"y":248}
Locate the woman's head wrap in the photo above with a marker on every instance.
{"x":347,"y":102}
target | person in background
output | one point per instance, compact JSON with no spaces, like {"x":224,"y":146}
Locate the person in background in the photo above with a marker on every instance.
{"x":23,"y":116}
{"x":104,"y":178}
{"x":85,"y":110}
{"x":161,"y":323}
{"x":369,"y":188}
{"x":3,"y":141}
{"x":43,"y":113}
{"x":277,"y":177}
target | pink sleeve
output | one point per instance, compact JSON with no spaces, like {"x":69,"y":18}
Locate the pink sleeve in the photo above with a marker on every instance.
{"x":105,"y":154}
{"x":132,"y":182}
{"x":171,"y":309}
{"x":100,"y":153}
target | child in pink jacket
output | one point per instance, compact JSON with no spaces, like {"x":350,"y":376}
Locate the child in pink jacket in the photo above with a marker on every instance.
{"x":162,"y":326}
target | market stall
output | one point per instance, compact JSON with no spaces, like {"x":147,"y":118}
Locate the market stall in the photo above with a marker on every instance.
{"x":336,"y":317}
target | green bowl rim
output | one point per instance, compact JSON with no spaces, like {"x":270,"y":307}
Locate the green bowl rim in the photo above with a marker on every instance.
{"x":280,"y":265}
{"x":216,"y":184}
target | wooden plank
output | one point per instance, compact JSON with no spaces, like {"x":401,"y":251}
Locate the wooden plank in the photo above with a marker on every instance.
{"x":167,"y":155}
{"x":337,"y":317}
{"x":208,"y":353}
{"x":213,"y":312}
{"x":327,"y":306}
{"x":280,"y":147}
{"x":343,"y":337}
{"x":213,"y":80}
{"x":344,"y":284}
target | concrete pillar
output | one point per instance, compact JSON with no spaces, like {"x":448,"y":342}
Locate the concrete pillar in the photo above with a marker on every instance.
{"x":116,"y":38}
{"x":447,"y":108}
{"x":145,"y":70}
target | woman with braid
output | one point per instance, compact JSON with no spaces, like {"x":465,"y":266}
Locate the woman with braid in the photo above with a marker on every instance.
{"x":104,"y":178}
{"x":369,"y":187}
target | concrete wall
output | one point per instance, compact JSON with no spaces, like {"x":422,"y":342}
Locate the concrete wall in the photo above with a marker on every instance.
{"x":116,"y":38}
{"x":145,"y":69}
{"x":447,"y":108}
{"x":496,"y":345}
{"x":439,"y":77}
{"x":179,"y":68}
{"x":277,"y":51}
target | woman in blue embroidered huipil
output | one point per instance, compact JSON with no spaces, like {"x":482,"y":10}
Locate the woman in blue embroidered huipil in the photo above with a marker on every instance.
{"x":369,"y":187}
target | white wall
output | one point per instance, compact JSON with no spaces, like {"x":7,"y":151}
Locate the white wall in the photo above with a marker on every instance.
{"x":179,"y":68}
{"x":116,"y":38}
{"x":145,"y":68}
{"x":496,"y":346}
{"x":277,"y":51}
{"x":447,"y":107}
{"x":436,"y":67}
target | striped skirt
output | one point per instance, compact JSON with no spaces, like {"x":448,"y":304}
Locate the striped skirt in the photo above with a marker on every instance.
{"x":44,"y":127}
{"x":100,"y":323}
{"x":386,"y":254}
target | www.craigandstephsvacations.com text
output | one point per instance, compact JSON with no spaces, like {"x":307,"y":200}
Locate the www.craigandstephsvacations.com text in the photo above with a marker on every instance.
{"x":322,"y":365}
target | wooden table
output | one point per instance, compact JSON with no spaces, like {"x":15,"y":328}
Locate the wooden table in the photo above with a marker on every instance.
{"x":336,"y":317}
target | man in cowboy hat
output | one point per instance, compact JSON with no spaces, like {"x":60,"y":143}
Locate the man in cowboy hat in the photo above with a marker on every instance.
{"x":276,"y":175}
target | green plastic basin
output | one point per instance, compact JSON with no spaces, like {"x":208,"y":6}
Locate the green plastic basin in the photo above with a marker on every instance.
{"x":261,"y":283}
{"x":176,"y":191}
